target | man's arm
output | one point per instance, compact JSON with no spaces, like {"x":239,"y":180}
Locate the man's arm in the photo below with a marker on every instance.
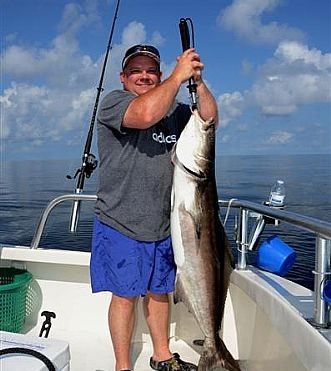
{"x":207,"y":105}
{"x":149,"y":108}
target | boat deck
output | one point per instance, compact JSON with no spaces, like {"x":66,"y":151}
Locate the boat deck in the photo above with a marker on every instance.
{"x":265,"y":320}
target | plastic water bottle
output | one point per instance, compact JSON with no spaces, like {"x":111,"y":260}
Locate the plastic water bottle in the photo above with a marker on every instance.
{"x":277,"y":194}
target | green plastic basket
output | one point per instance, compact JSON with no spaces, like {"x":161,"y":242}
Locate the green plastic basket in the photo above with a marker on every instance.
{"x":14,"y":285}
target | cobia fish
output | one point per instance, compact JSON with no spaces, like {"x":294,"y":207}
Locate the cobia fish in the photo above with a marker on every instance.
{"x":201,"y":250}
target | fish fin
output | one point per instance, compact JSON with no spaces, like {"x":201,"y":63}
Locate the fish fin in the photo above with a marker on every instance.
{"x":189,"y":237}
{"x":216,"y":357}
{"x":180,"y":294}
{"x":190,"y":226}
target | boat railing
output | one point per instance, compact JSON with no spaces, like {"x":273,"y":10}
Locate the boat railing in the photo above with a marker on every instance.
{"x":51,"y":205}
{"x":247,"y":210}
{"x":321,"y":230}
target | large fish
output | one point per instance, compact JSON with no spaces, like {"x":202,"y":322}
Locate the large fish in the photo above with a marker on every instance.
{"x":201,"y":250}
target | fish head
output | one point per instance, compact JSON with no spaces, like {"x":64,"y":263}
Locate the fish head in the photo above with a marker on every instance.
{"x":195,"y":148}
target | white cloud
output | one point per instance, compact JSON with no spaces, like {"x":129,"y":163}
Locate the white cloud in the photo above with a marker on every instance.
{"x":53,"y":89}
{"x":38,"y":114}
{"x":296,"y":75}
{"x":18,"y":61}
{"x":293,"y":52}
{"x":157,"y":39}
{"x":134,"y":33}
{"x":244,"y":18}
{"x":61,"y":63}
{"x":76,"y":16}
{"x":230,"y":107}
{"x":280,"y":137}
{"x":78,"y":110}
{"x":22,"y":106}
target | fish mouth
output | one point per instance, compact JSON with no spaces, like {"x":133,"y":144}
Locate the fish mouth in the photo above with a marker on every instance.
{"x":205,"y":124}
{"x":210,"y":124}
{"x":204,"y":159}
{"x":198,"y":175}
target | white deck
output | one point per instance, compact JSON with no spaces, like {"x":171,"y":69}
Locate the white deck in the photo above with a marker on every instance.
{"x":264,"y":322}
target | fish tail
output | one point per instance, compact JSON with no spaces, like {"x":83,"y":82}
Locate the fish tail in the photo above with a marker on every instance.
{"x":216,"y":357}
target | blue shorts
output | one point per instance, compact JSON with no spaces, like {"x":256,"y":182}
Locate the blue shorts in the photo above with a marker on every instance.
{"x":127,"y":267}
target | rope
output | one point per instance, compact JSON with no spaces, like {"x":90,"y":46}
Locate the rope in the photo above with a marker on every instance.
{"x":228,"y":210}
{"x":31,"y":352}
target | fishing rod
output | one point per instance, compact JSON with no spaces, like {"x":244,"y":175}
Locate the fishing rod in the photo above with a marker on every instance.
{"x":186,"y":44}
{"x":89,"y":161}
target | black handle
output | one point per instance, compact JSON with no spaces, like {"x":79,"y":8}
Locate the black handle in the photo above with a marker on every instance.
{"x":185,"y":37}
{"x":184,"y":34}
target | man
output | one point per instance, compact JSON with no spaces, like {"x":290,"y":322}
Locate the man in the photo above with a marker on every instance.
{"x":131,"y":248}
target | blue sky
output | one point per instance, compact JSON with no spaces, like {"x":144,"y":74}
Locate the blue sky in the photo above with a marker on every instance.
{"x":268,"y":63}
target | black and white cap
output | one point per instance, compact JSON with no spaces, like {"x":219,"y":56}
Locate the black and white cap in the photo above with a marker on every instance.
{"x":148,"y":50}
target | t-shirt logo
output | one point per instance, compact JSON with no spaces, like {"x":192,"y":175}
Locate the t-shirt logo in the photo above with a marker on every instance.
{"x":161,"y":138}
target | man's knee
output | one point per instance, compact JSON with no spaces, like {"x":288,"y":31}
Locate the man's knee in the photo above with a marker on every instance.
{"x":123,"y":302}
{"x":161,"y":298}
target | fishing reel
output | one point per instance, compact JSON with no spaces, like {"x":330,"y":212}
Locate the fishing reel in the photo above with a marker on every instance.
{"x":90,"y":163}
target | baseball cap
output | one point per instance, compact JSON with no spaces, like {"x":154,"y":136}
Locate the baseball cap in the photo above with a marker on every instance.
{"x":140,"y":49}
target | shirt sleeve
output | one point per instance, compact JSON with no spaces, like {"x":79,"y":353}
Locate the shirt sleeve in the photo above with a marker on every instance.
{"x":113,"y":108}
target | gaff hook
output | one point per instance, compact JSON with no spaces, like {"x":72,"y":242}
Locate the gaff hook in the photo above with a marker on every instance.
{"x":186,"y":44}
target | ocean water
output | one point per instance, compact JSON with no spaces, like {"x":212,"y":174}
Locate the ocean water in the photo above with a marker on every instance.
{"x":27,"y":187}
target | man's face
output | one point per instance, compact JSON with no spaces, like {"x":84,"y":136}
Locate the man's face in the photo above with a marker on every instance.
{"x":140,"y":75}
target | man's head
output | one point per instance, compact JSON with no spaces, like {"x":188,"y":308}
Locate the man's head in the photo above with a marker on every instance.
{"x":141,"y":69}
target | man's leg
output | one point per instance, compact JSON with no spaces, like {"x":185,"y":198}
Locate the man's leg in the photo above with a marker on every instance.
{"x":121,"y":317}
{"x":156,"y":309}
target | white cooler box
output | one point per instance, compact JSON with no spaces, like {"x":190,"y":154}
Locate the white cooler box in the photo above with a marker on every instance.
{"x":57,"y":351}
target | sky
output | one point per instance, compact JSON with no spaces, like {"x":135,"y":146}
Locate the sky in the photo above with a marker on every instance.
{"x":267,"y":62}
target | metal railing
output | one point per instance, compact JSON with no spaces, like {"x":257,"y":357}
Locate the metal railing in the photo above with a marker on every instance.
{"x":321,"y":230}
{"x":56,"y":201}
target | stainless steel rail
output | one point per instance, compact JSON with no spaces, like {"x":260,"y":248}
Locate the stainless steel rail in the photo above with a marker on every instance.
{"x":322,"y":231}
{"x":56,"y":201}
{"x":313,"y":225}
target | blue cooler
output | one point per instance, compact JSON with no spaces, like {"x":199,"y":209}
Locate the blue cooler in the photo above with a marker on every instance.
{"x":327,"y":292}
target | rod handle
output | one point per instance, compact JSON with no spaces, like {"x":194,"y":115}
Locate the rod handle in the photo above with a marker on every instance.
{"x":184,"y":34}
{"x":185,"y":38}
{"x":75,"y":212}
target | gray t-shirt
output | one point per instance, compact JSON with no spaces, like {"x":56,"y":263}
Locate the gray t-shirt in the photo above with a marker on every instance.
{"x":135,"y":172}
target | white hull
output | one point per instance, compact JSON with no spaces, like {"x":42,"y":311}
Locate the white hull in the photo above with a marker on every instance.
{"x":264,"y":323}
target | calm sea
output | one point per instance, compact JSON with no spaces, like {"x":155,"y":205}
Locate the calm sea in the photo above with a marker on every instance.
{"x":27,"y":187}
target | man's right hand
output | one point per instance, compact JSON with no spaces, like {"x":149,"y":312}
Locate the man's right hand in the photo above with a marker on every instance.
{"x":188,"y":65}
